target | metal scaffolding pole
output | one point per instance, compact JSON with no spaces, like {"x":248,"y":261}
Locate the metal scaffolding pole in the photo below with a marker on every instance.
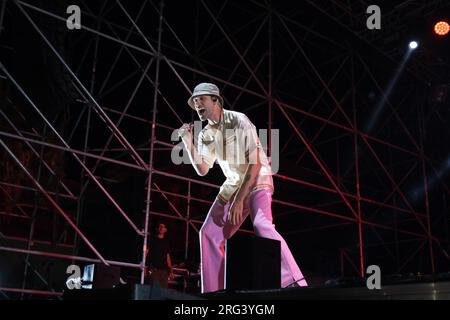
{"x":105,"y":148}
{"x":152,"y":143}
{"x":425,"y":189}
{"x":315,"y":71}
{"x":50,"y":199}
{"x":120,"y":137}
{"x":173,"y":63}
{"x":2,"y":15}
{"x":48,"y":243}
{"x":349,"y":122}
{"x":32,"y":225}
{"x":67,"y":146}
{"x":122,"y":47}
{"x":71,"y":257}
{"x":73,"y":151}
{"x":358,"y":191}
{"x":37,"y":154}
{"x":319,"y":162}
{"x":31,"y":291}
{"x":80,"y":202}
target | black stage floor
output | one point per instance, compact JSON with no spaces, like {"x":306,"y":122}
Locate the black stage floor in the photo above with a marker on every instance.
{"x":436,"y":287}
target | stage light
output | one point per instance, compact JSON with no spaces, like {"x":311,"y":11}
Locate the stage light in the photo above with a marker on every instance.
{"x":377,"y":111}
{"x":441,"y":28}
{"x":413,"y":45}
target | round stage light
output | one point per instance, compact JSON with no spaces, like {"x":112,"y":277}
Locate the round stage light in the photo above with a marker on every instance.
{"x":441,"y":28}
{"x":413,"y":44}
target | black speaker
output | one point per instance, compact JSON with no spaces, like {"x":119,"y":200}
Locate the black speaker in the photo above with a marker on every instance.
{"x":252,"y":263}
{"x":100,"y":276}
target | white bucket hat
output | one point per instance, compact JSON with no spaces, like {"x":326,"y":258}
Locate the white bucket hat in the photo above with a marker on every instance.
{"x":205,"y":89}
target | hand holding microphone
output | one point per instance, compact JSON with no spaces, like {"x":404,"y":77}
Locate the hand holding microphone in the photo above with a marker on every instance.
{"x":185,"y":132}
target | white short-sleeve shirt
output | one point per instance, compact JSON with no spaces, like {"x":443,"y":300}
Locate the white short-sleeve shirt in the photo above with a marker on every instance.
{"x":234,"y":144}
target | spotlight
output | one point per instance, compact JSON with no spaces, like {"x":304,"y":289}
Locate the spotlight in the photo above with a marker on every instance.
{"x":413,"y":45}
{"x":441,"y":28}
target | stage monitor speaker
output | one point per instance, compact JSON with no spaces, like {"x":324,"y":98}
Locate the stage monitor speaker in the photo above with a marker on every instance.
{"x":100,"y":276}
{"x":252,"y":263}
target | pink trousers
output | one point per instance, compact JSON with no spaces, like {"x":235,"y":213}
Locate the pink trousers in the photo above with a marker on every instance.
{"x":216,"y":230}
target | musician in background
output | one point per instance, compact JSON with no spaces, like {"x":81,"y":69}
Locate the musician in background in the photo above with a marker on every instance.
{"x":159,"y":263}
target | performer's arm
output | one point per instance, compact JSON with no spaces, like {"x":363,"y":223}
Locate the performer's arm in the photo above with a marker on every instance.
{"x":247,"y":185}
{"x":249,"y":144}
{"x":196,"y":160}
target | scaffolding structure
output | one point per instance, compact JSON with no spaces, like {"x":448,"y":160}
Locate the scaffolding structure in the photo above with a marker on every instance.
{"x":334,"y":175}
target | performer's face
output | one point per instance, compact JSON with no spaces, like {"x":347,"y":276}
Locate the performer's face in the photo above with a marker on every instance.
{"x":204,"y":105}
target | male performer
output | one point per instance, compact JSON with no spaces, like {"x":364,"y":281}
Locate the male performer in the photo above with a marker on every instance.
{"x":230,"y":138}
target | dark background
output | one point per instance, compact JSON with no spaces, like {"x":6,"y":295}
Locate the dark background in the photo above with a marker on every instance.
{"x":291,"y":48}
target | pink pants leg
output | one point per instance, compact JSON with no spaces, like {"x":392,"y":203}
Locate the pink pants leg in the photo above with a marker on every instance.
{"x":216,"y":230}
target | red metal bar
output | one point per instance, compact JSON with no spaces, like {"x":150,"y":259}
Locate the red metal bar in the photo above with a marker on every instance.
{"x":16,"y":186}
{"x":320,"y":187}
{"x":32,"y":291}
{"x":172,"y":205}
{"x":400,"y":183}
{"x":103,"y":116}
{"x":14,"y":238}
{"x":68,"y":149}
{"x":411,"y":256}
{"x":175,"y":63}
{"x":350,"y":261}
{"x":70,"y":257}
{"x":334,"y":215}
{"x":316,"y":158}
{"x":394,"y":183}
{"x":50,"y":199}
{"x":358,"y":191}
{"x":427,"y":204}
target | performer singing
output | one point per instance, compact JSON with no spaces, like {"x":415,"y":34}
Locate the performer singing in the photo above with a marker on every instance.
{"x":230,"y":138}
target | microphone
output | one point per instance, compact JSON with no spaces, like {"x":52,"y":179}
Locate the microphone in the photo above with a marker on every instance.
{"x":181,"y":132}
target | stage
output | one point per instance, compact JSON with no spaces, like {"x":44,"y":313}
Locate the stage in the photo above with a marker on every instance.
{"x":429,"y":287}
